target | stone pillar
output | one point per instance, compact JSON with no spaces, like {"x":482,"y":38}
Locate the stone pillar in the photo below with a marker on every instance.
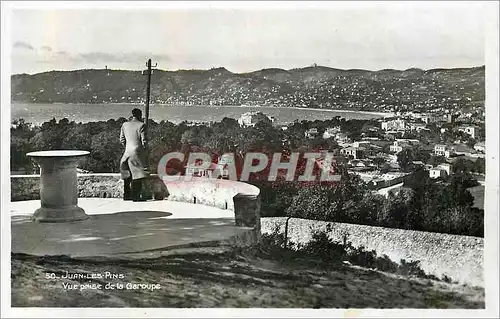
{"x":247,"y":211}
{"x":58,"y":186}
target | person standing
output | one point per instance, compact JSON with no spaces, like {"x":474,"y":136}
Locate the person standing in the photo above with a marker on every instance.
{"x":132,"y":164}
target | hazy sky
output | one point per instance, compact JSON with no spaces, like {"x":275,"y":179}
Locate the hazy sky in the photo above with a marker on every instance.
{"x":366,"y":36}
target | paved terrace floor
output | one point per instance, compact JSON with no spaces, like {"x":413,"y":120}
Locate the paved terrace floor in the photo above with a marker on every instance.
{"x":118,"y":227}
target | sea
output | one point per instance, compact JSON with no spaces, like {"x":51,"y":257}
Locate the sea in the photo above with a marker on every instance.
{"x":82,"y":113}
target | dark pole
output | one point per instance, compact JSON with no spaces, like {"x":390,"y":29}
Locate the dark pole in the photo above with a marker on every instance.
{"x":148,"y":96}
{"x":147,"y":193}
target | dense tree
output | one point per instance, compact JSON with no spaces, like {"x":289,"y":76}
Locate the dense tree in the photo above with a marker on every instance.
{"x":422,"y":204}
{"x":396,"y":211}
{"x":405,"y":159}
{"x":20,"y":144}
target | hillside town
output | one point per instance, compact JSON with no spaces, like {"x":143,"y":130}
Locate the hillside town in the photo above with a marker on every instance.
{"x":438,"y":142}
{"x":279,"y":155}
{"x":309,"y":87}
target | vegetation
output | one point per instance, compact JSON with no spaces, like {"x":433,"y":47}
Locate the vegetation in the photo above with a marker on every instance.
{"x":443,"y":205}
{"x":325,"y":251}
{"x":264,"y":276}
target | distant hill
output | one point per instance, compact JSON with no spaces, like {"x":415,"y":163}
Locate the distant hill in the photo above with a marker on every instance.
{"x":315,"y":86}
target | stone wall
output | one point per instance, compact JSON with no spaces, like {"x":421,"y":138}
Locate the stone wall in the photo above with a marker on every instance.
{"x":27,"y":187}
{"x":247,"y":210}
{"x":242,"y":198}
{"x":24,"y":187}
{"x":202,"y":192}
{"x":458,"y":257}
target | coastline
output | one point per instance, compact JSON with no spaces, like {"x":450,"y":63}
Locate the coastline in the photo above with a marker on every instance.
{"x":382,"y":114}
{"x":346,"y":111}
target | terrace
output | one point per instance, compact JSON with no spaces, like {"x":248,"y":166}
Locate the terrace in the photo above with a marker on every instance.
{"x":197,"y":213}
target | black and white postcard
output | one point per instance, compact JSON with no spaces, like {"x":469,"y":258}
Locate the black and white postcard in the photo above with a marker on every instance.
{"x":249,"y":159}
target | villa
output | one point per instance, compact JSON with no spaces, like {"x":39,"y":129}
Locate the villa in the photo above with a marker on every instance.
{"x":471,"y":130}
{"x":251,"y":118}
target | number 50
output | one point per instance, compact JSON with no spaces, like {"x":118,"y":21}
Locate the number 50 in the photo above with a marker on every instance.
{"x":50,"y":275}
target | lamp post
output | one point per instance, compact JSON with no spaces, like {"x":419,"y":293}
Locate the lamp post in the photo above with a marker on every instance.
{"x":149,"y":71}
{"x":148,"y":193}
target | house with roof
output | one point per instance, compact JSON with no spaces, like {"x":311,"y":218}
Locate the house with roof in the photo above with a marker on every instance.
{"x":480,"y":147}
{"x":369,"y":130}
{"x":353,"y":152}
{"x":360,"y":163}
{"x":311,"y":133}
{"x":463,"y":149}
{"x":214,"y":170}
{"x":399,"y":146}
{"x":434,"y":118}
{"x":418,"y":127}
{"x":472,"y":130}
{"x":364,"y":144}
{"x":440,"y":171}
{"x":342,"y":138}
{"x":436,"y":172}
{"x":428,"y":118}
{"x":394,"y":125}
{"x":252,"y":118}
{"x":446,"y":167}
{"x":331,"y":132}
{"x":418,"y":163}
{"x":443,"y":150}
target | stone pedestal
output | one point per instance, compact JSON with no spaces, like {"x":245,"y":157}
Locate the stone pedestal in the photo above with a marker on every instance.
{"x":58,"y":186}
{"x":247,"y":211}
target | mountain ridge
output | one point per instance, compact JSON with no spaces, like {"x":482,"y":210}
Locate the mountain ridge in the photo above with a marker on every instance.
{"x":266,"y":69}
{"x":311,"y":86}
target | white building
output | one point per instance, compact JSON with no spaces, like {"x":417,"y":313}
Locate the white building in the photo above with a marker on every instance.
{"x":398,"y":146}
{"x":418,"y":127}
{"x":354,"y":152}
{"x":441,"y":170}
{"x":342,"y":138}
{"x":394,"y":125}
{"x":331,"y":132}
{"x":365,"y":144}
{"x":436,"y":172}
{"x":252,"y":118}
{"x":480,"y":147}
{"x":443,"y":150}
{"x":311,"y":133}
{"x":472,"y":130}
{"x":445,"y":167}
{"x":428,"y":119}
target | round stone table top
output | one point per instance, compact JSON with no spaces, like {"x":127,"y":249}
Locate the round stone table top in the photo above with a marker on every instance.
{"x":58,"y":153}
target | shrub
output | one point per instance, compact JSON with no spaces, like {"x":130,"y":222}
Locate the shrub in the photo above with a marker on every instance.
{"x":321,"y":248}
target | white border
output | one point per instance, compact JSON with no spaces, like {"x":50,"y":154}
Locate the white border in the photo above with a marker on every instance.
{"x":491,"y":203}
{"x":492,"y":181}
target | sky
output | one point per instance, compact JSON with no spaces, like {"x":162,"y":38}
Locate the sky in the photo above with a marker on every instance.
{"x":364,"y":35}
